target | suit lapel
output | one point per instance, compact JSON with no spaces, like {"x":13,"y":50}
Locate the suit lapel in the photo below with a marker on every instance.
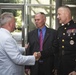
{"x":45,"y":38}
{"x":46,"y":35}
{"x":36,"y":35}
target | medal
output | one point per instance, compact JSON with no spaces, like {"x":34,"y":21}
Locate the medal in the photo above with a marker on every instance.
{"x":71,"y":42}
{"x":68,"y":34}
{"x":73,"y":33}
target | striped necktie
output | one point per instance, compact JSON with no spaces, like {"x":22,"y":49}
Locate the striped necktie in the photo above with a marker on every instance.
{"x":41,"y":40}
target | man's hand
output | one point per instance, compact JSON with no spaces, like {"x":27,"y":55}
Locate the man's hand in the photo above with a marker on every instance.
{"x":72,"y":73}
{"x":26,"y":45}
{"x":55,"y":71}
{"x":27,"y":71}
{"x":37,"y":55}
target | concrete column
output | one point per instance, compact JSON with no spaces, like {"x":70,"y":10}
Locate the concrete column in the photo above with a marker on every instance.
{"x":58,"y":4}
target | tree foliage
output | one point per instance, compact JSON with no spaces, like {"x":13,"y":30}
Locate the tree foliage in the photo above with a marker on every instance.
{"x":16,"y":13}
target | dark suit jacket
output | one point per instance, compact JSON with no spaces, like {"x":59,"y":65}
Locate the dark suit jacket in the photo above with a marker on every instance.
{"x":47,"y":54}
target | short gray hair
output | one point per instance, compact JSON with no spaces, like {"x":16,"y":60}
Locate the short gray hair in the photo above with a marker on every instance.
{"x":42,"y":13}
{"x":5,"y":17}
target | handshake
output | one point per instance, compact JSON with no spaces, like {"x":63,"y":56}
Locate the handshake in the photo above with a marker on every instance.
{"x":37,"y":55}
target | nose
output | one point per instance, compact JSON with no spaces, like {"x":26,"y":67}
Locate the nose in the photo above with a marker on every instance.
{"x":57,"y":16}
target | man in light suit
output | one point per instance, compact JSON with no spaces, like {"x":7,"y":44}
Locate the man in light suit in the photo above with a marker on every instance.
{"x":45,"y":65}
{"x":11,"y":59}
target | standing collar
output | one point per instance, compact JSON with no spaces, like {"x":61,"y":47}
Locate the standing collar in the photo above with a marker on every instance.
{"x":69,"y":23}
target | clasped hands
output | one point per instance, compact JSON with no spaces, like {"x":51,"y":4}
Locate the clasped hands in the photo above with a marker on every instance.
{"x":37,"y":55}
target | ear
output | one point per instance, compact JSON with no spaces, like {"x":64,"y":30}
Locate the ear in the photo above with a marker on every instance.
{"x":10,"y":24}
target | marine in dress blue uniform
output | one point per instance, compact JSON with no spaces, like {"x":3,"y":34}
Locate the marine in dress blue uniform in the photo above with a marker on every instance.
{"x":66,"y":41}
{"x":67,"y":48}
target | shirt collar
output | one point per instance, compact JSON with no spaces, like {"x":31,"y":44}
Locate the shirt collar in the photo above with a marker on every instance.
{"x":44,"y":28}
{"x":3,"y":29}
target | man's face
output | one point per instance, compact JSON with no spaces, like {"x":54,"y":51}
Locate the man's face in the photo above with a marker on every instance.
{"x":61,"y":15}
{"x":13,"y":24}
{"x":40,"y":20}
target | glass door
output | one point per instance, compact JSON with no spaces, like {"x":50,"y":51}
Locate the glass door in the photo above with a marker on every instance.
{"x":17,"y":10}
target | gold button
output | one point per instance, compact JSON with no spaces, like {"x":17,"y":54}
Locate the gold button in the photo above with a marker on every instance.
{"x":62,"y":40}
{"x":58,"y":38}
{"x":62,"y":46}
{"x":65,"y":28}
{"x":71,"y":37}
{"x":63,"y":33}
{"x":68,"y":24}
{"x":62,"y":52}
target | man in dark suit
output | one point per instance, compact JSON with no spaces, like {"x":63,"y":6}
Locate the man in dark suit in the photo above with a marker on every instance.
{"x":45,"y":65}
